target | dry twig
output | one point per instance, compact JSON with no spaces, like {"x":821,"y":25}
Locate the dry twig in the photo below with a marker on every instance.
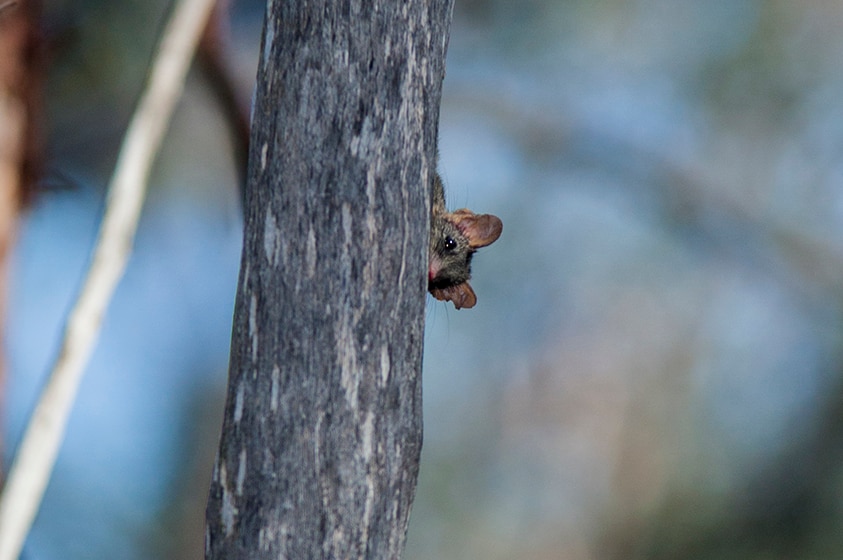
{"x":36,"y":456}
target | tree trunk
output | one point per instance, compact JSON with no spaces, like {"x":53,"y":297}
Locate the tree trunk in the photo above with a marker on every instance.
{"x":322,"y":433}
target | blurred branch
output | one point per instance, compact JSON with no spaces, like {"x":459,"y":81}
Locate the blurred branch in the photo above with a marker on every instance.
{"x":21,"y":73}
{"x":219,"y":72}
{"x":34,"y":461}
{"x":692,"y":199}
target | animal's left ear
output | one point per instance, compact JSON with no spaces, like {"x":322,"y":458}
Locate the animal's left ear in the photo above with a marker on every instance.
{"x":461,"y":295}
{"x":480,"y":229}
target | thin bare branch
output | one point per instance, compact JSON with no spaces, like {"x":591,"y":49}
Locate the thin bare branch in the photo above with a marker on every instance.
{"x":36,"y":456}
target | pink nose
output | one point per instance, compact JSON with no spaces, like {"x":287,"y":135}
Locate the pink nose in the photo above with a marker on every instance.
{"x":432,"y":269}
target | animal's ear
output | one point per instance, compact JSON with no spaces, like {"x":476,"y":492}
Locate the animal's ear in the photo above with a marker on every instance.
{"x":480,"y":229}
{"x":461,"y":295}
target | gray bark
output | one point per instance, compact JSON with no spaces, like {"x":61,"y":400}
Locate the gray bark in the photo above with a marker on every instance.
{"x":322,"y":432}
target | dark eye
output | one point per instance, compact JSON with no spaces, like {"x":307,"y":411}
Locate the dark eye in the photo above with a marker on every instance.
{"x":450,"y":244}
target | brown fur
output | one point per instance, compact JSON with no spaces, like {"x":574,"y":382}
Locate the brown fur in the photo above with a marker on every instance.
{"x":454,"y":238}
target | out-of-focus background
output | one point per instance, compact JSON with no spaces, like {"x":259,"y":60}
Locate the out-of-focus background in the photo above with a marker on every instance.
{"x":653,"y":369}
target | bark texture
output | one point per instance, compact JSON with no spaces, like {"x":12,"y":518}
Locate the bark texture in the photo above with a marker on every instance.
{"x":322,"y":432}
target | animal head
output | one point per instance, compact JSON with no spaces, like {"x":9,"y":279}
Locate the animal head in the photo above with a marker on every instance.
{"x":455,"y":236}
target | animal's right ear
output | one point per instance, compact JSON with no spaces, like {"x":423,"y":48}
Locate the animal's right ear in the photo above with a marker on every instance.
{"x":481,"y":229}
{"x":461,"y":295}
